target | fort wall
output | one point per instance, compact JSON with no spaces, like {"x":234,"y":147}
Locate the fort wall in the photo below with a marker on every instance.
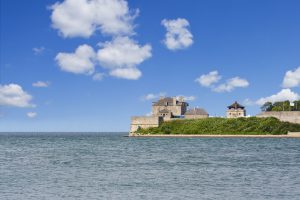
{"x":287,"y":116}
{"x":144,"y":122}
{"x":195,"y":116}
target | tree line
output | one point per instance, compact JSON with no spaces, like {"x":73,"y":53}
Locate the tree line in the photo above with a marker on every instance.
{"x":281,"y":106}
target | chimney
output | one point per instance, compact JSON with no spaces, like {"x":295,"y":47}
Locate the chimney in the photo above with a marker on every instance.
{"x":174,"y":101}
{"x":181,"y":99}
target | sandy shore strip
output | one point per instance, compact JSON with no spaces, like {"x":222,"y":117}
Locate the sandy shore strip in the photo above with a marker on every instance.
{"x":219,"y":136}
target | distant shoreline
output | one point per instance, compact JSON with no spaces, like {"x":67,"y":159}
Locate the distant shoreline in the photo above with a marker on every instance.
{"x":218,"y":136}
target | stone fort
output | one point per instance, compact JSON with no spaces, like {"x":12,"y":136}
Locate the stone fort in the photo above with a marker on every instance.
{"x":166,"y":109}
{"x":172,"y":108}
{"x":236,"y":110}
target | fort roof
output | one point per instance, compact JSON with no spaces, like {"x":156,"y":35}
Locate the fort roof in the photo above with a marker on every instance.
{"x":196,"y":111}
{"x":167,"y":101}
{"x":235,"y":105}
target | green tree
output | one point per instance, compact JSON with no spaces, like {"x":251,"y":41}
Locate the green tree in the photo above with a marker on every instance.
{"x":281,"y":106}
{"x":287,"y":106}
{"x":267,"y":106}
{"x":296,"y":106}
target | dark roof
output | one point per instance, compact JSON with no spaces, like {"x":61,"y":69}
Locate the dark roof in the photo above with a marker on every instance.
{"x":235,"y":105}
{"x":164,"y":111}
{"x":164,"y":101}
{"x":196,"y":111}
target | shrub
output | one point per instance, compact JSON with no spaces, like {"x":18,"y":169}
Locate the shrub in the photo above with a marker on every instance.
{"x":252,"y":125}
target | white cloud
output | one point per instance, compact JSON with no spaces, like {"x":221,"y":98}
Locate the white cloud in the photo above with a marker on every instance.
{"x":178,"y":36}
{"x":126,"y":73}
{"x":291,"y":78}
{"x":186,"y":98}
{"x":248,"y":102}
{"x":122,"y":56}
{"x":231,"y":84}
{"x":149,"y":114}
{"x":13,"y":95}
{"x":152,"y":96}
{"x":41,"y":84}
{"x":38,"y":50}
{"x":80,"y":62}
{"x":98,"y":76}
{"x":31,"y":114}
{"x":81,"y":18}
{"x":283,"y":95}
{"x":207,"y":80}
{"x":123,"y":52}
{"x":189,"y":98}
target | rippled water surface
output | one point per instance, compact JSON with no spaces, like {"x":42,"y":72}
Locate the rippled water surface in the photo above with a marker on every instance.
{"x":110,"y":166}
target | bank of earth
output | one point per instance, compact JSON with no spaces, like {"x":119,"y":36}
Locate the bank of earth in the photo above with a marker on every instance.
{"x":222,"y":126}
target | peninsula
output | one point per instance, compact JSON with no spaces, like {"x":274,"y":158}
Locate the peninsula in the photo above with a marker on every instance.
{"x":171,"y":117}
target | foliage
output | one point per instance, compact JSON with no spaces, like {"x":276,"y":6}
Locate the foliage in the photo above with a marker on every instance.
{"x":252,"y":125}
{"x":268,"y":106}
{"x":281,"y":106}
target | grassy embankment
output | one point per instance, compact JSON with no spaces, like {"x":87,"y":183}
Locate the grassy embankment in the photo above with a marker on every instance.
{"x":247,"y":126}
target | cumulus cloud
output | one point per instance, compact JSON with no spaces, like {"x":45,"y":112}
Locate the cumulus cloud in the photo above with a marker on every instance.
{"x":80,"y":62}
{"x":38,"y":50}
{"x":248,"y":102}
{"x":81,"y":18}
{"x":189,"y":98}
{"x":126,"y":73}
{"x":152,"y":96}
{"x":178,"y":36}
{"x":291,"y":78}
{"x":98,"y":76}
{"x":283,"y":95}
{"x":41,"y":84}
{"x":186,"y":98}
{"x":31,"y":114}
{"x":123,"y":52}
{"x":122,"y":55}
{"x":13,"y":95}
{"x":149,"y":114}
{"x":231,"y":84}
{"x":209,"y":79}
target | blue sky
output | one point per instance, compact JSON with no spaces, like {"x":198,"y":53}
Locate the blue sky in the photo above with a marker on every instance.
{"x":213,"y":52}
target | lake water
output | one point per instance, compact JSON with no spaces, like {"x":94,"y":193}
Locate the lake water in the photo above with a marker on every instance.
{"x":110,"y":166}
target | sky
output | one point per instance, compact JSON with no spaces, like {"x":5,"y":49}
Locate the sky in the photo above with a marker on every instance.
{"x":79,"y":65}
